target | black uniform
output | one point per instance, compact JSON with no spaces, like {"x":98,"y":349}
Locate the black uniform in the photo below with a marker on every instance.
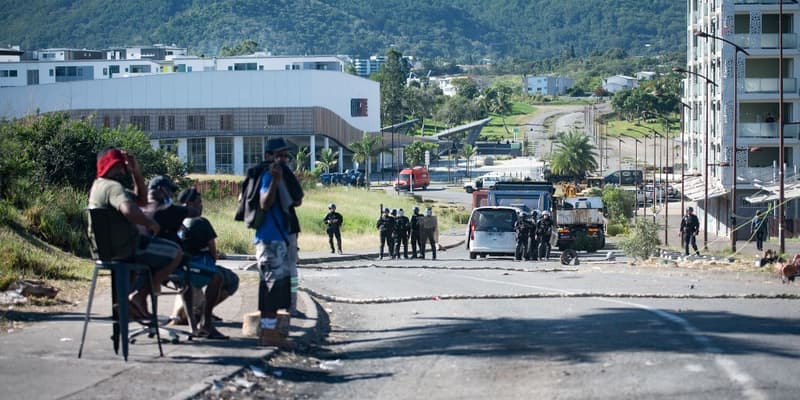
{"x":402,"y":228}
{"x":690,"y":227}
{"x":385,"y":226}
{"x":544,"y":229}
{"x":416,"y":225}
{"x":524,"y":231}
{"x":334,"y":220}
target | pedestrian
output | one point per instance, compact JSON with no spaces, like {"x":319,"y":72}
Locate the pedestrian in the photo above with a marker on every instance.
{"x":333,"y":222}
{"x":162,"y":256}
{"x":272,"y":246}
{"x":416,"y":226}
{"x":291,"y":195}
{"x":402,"y":229}
{"x":385,"y":227}
{"x":759,"y":229}
{"x":690,"y":227}
{"x":544,"y":233}
{"x":430,"y":232}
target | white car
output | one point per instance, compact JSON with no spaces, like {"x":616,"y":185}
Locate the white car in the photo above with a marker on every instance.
{"x":485,"y":182}
{"x":490,"y":232}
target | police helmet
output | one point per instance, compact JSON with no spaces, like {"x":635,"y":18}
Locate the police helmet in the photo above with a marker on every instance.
{"x":545,"y":213}
{"x":394,"y":211}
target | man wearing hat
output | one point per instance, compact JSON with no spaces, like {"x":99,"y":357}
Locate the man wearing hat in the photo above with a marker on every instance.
{"x":160,"y":207}
{"x":162,"y":256}
{"x":333,"y":221}
{"x":690,"y":227}
{"x":385,"y":227}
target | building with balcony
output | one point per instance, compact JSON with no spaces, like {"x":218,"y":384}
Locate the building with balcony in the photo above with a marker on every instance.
{"x":547,"y":85}
{"x":754,"y":26}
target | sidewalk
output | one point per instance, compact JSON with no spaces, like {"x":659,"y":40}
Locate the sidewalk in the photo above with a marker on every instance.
{"x":41,"y":360}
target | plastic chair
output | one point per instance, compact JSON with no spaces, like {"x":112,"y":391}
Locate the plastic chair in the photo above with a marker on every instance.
{"x":112,"y":249}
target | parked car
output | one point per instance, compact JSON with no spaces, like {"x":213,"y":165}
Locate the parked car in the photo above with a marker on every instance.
{"x":490,"y":232}
{"x":628,"y":177}
{"x":482,"y":182}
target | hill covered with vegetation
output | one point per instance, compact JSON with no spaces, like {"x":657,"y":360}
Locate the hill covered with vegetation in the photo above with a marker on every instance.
{"x":465,"y":31}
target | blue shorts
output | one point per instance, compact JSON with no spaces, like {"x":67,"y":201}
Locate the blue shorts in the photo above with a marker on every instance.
{"x":203,"y":269}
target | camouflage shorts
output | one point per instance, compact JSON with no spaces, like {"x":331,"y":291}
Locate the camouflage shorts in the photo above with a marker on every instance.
{"x":273,"y":260}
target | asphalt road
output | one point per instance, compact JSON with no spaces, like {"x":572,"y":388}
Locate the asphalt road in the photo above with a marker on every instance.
{"x":492,"y":328}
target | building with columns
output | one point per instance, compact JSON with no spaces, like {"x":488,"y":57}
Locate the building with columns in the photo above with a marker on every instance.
{"x":218,"y":121}
{"x":713,"y":118}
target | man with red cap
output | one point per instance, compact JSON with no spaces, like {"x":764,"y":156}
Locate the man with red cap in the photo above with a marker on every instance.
{"x":107,"y":191}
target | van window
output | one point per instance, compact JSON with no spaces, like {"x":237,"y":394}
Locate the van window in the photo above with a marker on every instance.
{"x":494,"y":220}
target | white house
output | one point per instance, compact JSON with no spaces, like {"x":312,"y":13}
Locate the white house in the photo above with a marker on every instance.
{"x":547,"y":85}
{"x":619,"y":82}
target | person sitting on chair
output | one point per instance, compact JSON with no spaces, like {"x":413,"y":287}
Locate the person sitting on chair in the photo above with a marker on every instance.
{"x":199,"y":241}
{"x":162,"y":256}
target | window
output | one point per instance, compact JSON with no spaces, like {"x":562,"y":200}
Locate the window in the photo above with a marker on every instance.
{"x":223,"y":155}
{"x":196,"y":122}
{"x":105,"y":71}
{"x":358,"y":107}
{"x":275,"y":119}
{"x":140,"y":122}
{"x":169,"y":145}
{"x":166,"y":122}
{"x":226,"y":122}
{"x":140,"y":69}
{"x":180,"y":68}
{"x":51,"y":72}
{"x":253,"y":151}
{"x":244,"y":67}
{"x":196,"y":155}
{"x":74,"y":73}
{"x":33,"y":77}
{"x":8,"y":73}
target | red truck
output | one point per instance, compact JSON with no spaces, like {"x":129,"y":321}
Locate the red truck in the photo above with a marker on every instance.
{"x":419,"y":176}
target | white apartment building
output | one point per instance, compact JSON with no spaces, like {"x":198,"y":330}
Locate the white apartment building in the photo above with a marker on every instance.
{"x":547,"y":85}
{"x":712,"y":120}
{"x":616,"y":83}
{"x":367,"y":66}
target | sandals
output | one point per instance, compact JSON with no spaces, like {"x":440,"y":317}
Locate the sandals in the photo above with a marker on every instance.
{"x":211,"y":333}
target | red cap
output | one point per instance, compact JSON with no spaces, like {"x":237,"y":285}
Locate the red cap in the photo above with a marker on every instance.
{"x":108,"y":161}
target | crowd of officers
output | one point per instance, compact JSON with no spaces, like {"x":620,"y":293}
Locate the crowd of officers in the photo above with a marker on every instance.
{"x":396,"y":229}
{"x":533,"y":235}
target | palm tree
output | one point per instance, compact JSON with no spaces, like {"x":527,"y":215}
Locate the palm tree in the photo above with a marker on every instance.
{"x":327,"y":159}
{"x":363,"y":150}
{"x":468,"y":152}
{"x":574,"y":155}
{"x":301,"y":159}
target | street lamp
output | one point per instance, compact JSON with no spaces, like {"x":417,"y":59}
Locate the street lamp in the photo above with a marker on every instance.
{"x":683,"y":159}
{"x":705,"y":158}
{"x":619,"y":158}
{"x":644,"y":169}
{"x":738,"y":49}
{"x":635,"y":161}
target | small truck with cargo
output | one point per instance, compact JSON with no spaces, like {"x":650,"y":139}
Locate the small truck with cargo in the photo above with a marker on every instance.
{"x":580,"y":223}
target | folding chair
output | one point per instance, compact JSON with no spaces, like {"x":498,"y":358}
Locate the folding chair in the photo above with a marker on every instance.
{"x":112,"y":249}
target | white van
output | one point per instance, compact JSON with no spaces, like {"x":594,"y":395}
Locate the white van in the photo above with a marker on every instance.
{"x":486,"y":182}
{"x":490,"y":232}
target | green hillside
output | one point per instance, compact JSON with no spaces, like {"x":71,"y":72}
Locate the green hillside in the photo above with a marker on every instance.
{"x":461,"y":30}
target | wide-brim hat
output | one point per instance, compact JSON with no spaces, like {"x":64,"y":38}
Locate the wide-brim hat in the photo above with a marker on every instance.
{"x":275,"y":145}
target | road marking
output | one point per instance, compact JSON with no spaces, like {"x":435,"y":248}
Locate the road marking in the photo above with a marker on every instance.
{"x":726,"y":364}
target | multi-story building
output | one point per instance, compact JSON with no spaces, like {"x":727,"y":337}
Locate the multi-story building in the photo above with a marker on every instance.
{"x":367,"y":66}
{"x":547,"y":85}
{"x":712,"y":120}
{"x":616,"y":83}
{"x":215,"y":113}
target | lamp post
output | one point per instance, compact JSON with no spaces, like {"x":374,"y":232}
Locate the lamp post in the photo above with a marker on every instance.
{"x":705,"y":158}
{"x":738,"y":49}
{"x":619,"y":158}
{"x":781,"y":235}
{"x":683,"y":160}
{"x":635,"y":161}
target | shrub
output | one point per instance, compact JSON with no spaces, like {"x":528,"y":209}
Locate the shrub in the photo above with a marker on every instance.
{"x":57,"y":217}
{"x":642,"y":241}
{"x":616,"y":229}
{"x":619,"y":203}
{"x":586,"y":242}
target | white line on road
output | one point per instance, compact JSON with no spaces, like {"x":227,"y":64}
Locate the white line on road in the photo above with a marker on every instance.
{"x":728,"y":365}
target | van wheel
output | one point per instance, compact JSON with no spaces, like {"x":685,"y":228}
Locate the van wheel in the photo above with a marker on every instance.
{"x":425,"y":187}
{"x":472,"y":255}
{"x":469,"y":189}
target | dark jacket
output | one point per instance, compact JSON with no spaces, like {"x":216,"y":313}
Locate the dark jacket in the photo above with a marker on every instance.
{"x":690,"y":224}
{"x":402,"y":227}
{"x":416,"y":225}
{"x":333,"y":220}
{"x":251,"y":193}
{"x":385,"y":224}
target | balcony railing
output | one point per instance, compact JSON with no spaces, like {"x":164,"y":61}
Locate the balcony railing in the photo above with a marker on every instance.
{"x":765,"y":40}
{"x":769,"y":85}
{"x":767,"y":130}
{"x":737,"y":2}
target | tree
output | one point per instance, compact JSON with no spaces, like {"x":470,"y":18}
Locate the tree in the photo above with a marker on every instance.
{"x":247,"y":46}
{"x":363,"y":150}
{"x":301,"y":159}
{"x":455,"y":110}
{"x":392,"y":77}
{"x":468,"y":152}
{"x":327,"y":159}
{"x":466,"y":87}
{"x":415,"y":152}
{"x":574,"y":155}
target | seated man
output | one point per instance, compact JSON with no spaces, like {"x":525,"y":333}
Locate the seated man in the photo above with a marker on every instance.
{"x":199,"y":241}
{"x":162,"y":256}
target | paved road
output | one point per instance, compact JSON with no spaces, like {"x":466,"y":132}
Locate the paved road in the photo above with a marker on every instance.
{"x":505,"y":337}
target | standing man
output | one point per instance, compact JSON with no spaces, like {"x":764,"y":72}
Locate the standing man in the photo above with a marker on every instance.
{"x":759,"y":228}
{"x":690,"y":227}
{"x":385,"y":227}
{"x":334,"y":220}
{"x":402,"y":228}
{"x":430,"y":232}
{"x":416,"y":225}
{"x":162,"y":256}
{"x":272,"y":244}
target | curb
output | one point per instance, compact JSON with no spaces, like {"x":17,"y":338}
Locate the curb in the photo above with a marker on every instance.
{"x":308,"y":333}
{"x":332,"y":258}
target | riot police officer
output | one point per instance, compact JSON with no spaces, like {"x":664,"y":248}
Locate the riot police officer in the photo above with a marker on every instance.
{"x":385,"y":227}
{"x":416,"y":226}
{"x":523,"y":230}
{"x":402,"y":228}
{"x":544,"y":229}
